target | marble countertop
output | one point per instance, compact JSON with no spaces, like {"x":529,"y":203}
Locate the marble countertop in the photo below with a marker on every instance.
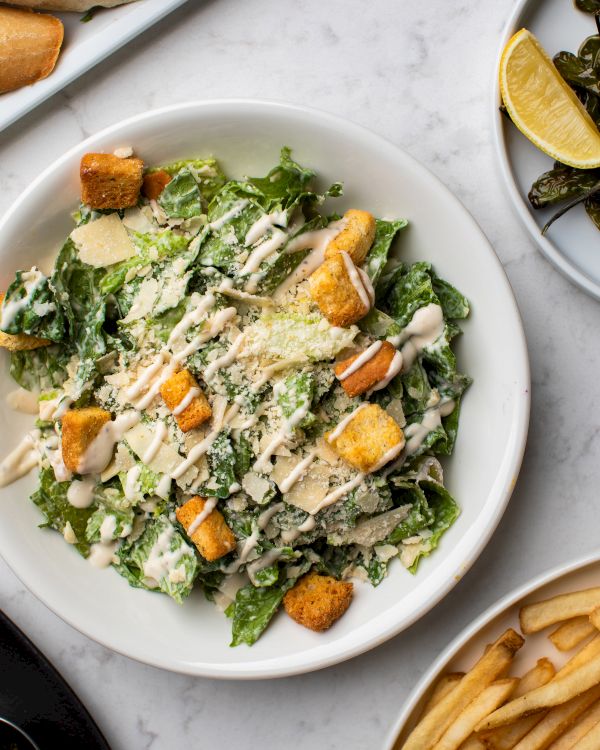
{"x":420,"y":75}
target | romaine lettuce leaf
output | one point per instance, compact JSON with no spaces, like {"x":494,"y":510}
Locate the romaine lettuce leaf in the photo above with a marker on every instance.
{"x":37,"y":312}
{"x":181,"y":197}
{"x":51,"y":499}
{"x":162,"y":548}
{"x":40,"y":369}
{"x":385,"y":231}
{"x":252,"y":611}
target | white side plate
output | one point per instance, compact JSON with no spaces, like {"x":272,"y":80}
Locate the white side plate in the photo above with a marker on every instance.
{"x":85,"y":45}
{"x":469,"y":645}
{"x":246,"y":136}
{"x":572,"y":243}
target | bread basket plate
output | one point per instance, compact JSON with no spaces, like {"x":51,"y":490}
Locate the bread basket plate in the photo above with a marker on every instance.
{"x":85,"y":44}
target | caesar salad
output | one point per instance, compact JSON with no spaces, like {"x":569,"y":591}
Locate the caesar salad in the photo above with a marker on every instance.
{"x":235,"y":389}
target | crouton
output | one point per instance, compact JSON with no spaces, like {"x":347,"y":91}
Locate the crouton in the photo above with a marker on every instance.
{"x":340,"y":290}
{"x":186,"y":401}
{"x":212,"y":537}
{"x":154,"y":183}
{"x":369,"y":373}
{"x":79,"y":428}
{"x":317,"y":601}
{"x":355,"y":238}
{"x":369,"y":439}
{"x":108,"y":181}
{"x":19,"y":342}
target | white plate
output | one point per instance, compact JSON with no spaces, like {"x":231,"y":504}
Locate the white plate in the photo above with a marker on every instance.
{"x":85,"y":45}
{"x":246,"y":136}
{"x":468,"y":646}
{"x":572,"y":243}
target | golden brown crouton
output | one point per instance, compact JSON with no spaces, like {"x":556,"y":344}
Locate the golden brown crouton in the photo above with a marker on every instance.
{"x":339,"y":290}
{"x":368,"y":374}
{"x":355,"y":238}
{"x":189,"y":410}
{"x":318,"y":601}
{"x":154,"y":183}
{"x":213,"y":537}
{"x":369,"y":440}
{"x":108,"y":181}
{"x":19,"y":342}
{"x":79,"y":428}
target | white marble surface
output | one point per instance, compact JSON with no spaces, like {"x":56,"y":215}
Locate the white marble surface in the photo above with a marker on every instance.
{"x":419,"y":73}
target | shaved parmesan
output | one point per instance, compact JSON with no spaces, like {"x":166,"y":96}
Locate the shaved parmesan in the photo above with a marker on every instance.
{"x":369,"y":532}
{"x":307,"y":492}
{"x":103,"y":242}
{"x":166,"y":459}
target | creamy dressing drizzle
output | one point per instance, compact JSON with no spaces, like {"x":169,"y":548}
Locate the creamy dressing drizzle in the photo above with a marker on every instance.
{"x":21,"y":460}
{"x":217,"y":323}
{"x":263,"y":463}
{"x":192,"y":318}
{"x":209,"y":506}
{"x":425,"y":328}
{"x":336,"y":494}
{"x":131,"y":482}
{"x":102,"y":554}
{"x":107,"y":529}
{"x":264,"y":250}
{"x":164,"y":486}
{"x":316,"y":241}
{"x":251,"y":541}
{"x":9,"y":310}
{"x":99,"y":453}
{"x":356,"y":280}
{"x":361,"y":360}
{"x":333,"y":436}
{"x":297,"y":472}
{"x":162,"y":560}
{"x":226,"y":360}
{"x":418,"y":431}
{"x":159,"y":435}
{"x":81,"y":492}
{"x":186,"y":401}
{"x":263,"y":224}
{"x":234,"y":211}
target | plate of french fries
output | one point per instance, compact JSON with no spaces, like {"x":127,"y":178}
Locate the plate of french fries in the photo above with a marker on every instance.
{"x":524,"y":675}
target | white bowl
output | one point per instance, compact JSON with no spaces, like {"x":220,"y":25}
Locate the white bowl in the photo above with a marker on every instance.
{"x":468,"y":646}
{"x":246,"y":136}
{"x":573,"y":242}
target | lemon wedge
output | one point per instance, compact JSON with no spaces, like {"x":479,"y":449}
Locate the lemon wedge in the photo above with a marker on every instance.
{"x":544,"y":107}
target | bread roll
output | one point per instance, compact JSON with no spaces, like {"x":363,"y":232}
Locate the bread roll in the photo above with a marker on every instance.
{"x":29,"y":45}
{"x":77,"y":5}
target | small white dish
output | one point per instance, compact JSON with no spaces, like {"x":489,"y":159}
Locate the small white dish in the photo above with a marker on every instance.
{"x":468,"y":646}
{"x":572,"y":244}
{"x":85,"y":45}
{"x":246,"y":136}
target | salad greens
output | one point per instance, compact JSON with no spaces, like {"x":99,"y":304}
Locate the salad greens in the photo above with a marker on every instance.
{"x":206,"y":288}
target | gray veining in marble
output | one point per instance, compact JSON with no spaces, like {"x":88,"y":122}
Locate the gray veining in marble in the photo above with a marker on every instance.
{"x":418,"y":73}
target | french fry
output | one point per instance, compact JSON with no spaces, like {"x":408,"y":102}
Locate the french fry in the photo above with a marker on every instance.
{"x":492,"y":664}
{"x":473,"y":743}
{"x":557,"y":721}
{"x":537,"y":616}
{"x":443,"y":687}
{"x":572,"y":633}
{"x":462,"y":727}
{"x":595,"y":618}
{"x":559,"y":690}
{"x":590,"y":741}
{"x":589,"y":651}
{"x":505,"y":738}
{"x":587,"y":720}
